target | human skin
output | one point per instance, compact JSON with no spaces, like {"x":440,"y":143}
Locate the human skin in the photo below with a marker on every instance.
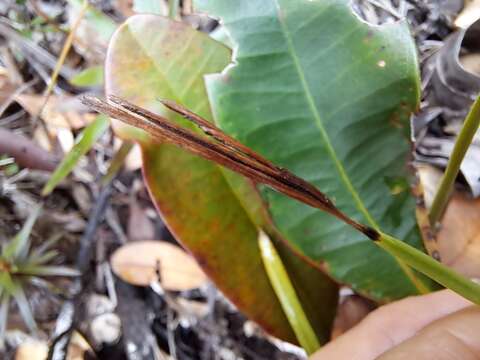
{"x":441,"y":325}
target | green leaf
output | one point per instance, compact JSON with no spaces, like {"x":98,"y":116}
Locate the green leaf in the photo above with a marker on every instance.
{"x":92,"y":76}
{"x":151,"y":57}
{"x":17,"y":248}
{"x":324,"y":94}
{"x":84,"y":142}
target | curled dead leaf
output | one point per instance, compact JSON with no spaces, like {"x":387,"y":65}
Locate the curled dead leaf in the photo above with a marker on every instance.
{"x":138,"y":262}
{"x":457,"y":242}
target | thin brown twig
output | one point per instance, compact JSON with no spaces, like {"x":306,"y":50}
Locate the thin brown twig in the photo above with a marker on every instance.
{"x":222,"y":149}
{"x":56,"y":71}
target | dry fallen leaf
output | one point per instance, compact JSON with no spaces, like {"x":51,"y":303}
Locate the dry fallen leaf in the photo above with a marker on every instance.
{"x":32,"y":350}
{"x":38,"y":350}
{"x":59,"y":112}
{"x":469,"y":14}
{"x":6,"y":86}
{"x":459,"y":236}
{"x":137,"y":262}
{"x":458,"y":239}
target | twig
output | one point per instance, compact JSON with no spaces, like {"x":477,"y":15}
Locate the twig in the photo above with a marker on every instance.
{"x":83,"y":264}
{"x":464,"y":139}
{"x":26,"y":152}
{"x":94,"y":219}
{"x":53,"y":79}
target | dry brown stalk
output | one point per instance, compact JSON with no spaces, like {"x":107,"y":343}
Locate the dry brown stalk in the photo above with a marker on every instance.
{"x":221,"y":149}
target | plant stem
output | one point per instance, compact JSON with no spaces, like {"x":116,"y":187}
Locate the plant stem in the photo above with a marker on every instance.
{"x":173,"y":8}
{"x":464,"y":139}
{"x":430,"y":267}
{"x":287,"y":296}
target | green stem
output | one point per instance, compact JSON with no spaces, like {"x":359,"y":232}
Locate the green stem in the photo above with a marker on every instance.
{"x":287,"y":296}
{"x":173,"y":8}
{"x":430,"y":267}
{"x":464,"y":139}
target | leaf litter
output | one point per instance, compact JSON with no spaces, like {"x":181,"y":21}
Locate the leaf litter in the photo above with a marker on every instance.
{"x":35,"y":49}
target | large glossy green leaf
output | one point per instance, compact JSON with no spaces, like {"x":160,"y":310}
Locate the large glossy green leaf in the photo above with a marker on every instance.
{"x":151,"y":57}
{"x":315,"y":89}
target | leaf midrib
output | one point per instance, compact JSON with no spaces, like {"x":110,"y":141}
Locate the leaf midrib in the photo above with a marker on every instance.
{"x":331,"y":151}
{"x":318,"y":121}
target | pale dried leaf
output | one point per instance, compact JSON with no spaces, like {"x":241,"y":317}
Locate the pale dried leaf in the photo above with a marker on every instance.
{"x":137,"y":262}
{"x":459,"y":236}
{"x":469,"y":14}
{"x":32,"y":350}
{"x":55,"y":113}
{"x":471,"y":62}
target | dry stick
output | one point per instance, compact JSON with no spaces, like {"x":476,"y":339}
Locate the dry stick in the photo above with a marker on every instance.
{"x":225,"y":151}
{"x":26,"y":152}
{"x":464,"y":139}
{"x":56,"y":71}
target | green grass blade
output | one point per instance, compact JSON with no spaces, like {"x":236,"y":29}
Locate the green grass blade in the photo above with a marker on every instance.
{"x":40,"y":250}
{"x":92,"y":76}
{"x":286,"y":294}
{"x":84,"y":142}
{"x":38,"y":259}
{"x":49,"y":270}
{"x":24,"y":308}
{"x":18,"y":247}
{"x":464,"y":139}
{"x":431,"y":267}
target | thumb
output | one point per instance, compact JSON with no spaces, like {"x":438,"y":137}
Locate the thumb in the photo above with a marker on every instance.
{"x":452,"y":337}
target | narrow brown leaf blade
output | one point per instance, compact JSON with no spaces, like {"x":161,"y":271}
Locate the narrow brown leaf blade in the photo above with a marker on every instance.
{"x":223,"y":150}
